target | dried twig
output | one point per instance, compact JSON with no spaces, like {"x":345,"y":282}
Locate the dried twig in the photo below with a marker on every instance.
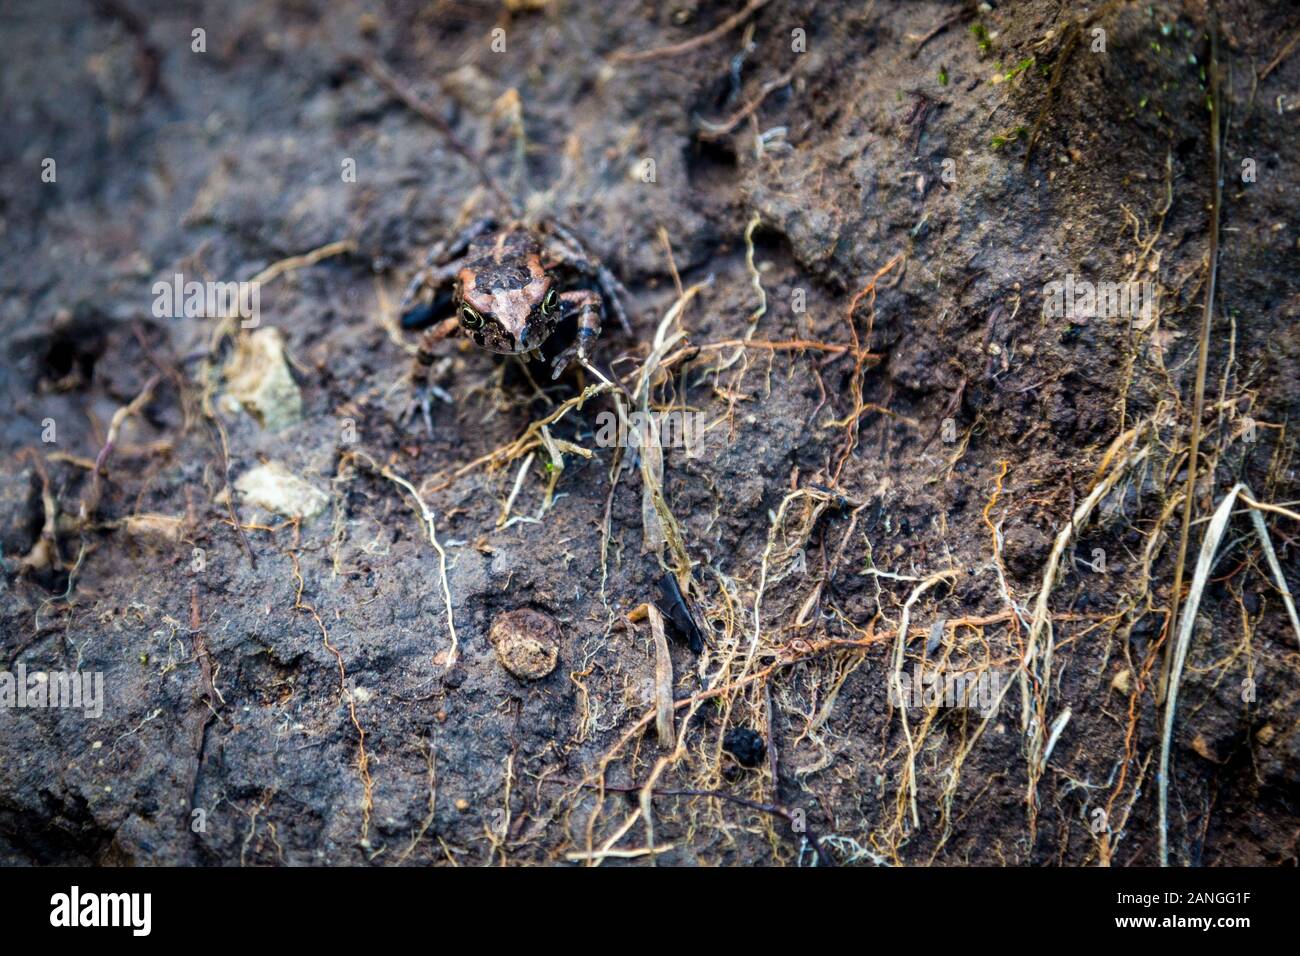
{"x":686,"y":46}
{"x":966,"y":13}
{"x":1203,"y":351}
{"x":403,"y":92}
{"x":1072,"y":35}
{"x":663,"y":679}
{"x":1281,"y":56}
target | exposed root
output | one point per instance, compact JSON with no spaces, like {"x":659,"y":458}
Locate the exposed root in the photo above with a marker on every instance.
{"x":907,"y":781}
{"x":686,"y":46}
{"x":1037,"y":667}
{"x":426,"y":518}
{"x":1203,"y":343}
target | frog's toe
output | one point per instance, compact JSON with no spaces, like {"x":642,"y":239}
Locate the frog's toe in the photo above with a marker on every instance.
{"x":422,"y":401}
{"x":562,"y":361}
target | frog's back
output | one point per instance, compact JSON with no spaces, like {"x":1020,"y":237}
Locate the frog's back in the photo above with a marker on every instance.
{"x":503,"y":245}
{"x":504,"y":262}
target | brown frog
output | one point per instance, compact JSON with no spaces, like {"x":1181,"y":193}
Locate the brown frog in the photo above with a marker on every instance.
{"x":511,"y":287}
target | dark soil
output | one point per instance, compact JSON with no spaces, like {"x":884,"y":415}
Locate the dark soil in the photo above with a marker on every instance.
{"x":286,"y":693}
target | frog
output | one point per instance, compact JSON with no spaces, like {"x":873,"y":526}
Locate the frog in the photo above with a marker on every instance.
{"x":510,"y":285}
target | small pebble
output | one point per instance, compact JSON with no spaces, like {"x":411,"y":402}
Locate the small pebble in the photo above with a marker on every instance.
{"x":527,"y":642}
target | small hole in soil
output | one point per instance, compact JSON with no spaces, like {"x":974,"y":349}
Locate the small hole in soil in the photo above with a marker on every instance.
{"x":66,"y":357}
{"x":770,"y":244}
{"x":73,"y":351}
{"x":711,"y":162}
{"x":59,"y":359}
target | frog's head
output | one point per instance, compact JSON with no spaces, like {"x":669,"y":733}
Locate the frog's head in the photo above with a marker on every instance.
{"x":508,"y":309}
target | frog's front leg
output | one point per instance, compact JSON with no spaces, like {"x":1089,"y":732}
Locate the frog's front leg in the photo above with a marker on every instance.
{"x":566,"y":248}
{"x":589,"y":306}
{"x":421,"y":369}
{"x":421,"y":301}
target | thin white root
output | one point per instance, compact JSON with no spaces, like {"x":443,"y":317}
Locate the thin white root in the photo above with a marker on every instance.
{"x":1033,"y":707}
{"x":426,"y":517}
{"x":900,"y":648}
{"x":597,"y":855}
{"x":1040,"y":626}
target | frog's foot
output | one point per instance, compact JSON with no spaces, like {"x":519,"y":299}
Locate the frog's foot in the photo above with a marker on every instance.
{"x":577,"y":350}
{"x":563,"y":360}
{"x":423,"y":394}
{"x":587,"y":304}
{"x":424,"y":373}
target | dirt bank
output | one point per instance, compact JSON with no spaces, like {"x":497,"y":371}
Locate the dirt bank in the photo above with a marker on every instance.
{"x":852,"y":216}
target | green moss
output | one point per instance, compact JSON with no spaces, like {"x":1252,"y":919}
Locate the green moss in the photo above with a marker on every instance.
{"x":1001,"y":139}
{"x":1019,"y":68}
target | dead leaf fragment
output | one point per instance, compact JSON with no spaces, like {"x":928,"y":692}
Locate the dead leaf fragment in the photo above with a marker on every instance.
{"x":258,"y":380}
{"x":273,"y":487}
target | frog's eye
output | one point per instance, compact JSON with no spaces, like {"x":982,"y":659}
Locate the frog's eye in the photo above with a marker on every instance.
{"x":551,"y":300}
{"x":471,"y":318}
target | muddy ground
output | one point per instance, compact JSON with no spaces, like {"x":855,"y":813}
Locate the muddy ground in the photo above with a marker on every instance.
{"x":867,"y":202}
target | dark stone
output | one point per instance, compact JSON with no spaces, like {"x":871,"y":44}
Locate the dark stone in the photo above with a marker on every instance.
{"x":745,"y":745}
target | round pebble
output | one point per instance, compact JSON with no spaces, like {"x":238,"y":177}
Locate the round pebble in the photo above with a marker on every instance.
{"x":527,"y":642}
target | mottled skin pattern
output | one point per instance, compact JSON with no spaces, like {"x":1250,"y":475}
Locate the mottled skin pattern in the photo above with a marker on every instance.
{"x":507,"y":294}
